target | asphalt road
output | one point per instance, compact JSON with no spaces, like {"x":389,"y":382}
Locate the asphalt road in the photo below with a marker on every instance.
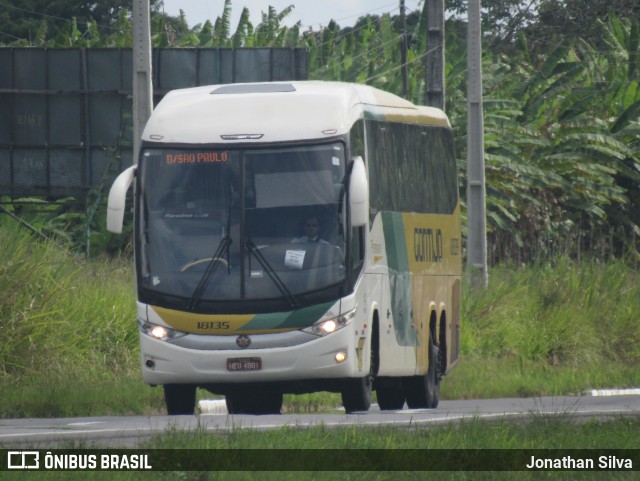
{"x":128,"y":431}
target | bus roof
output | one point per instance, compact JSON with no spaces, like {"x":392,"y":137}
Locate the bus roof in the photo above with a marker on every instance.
{"x":276,"y":112}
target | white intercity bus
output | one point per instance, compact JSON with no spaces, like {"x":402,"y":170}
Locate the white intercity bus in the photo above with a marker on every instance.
{"x":295,"y":237}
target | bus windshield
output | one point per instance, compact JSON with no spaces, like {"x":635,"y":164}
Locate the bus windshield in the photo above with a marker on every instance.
{"x":231,"y":224}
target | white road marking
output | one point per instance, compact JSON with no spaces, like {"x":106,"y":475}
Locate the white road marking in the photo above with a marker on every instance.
{"x":213,"y":406}
{"x":616,"y":392}
{"x":90,"y":423}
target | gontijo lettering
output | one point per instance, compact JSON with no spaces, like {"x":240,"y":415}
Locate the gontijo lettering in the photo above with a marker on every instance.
{"x":427,"y":244}
{"x":196,"y":158}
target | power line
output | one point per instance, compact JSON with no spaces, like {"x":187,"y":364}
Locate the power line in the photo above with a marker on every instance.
{"x":376,"y":47}
{"x":351,"y":32}
{"x":34,"y":13}
{"x":367,"y":52}
{"x":358,"y":15}
{"x":10,"y":35}
{"x":398,"y":67}
{"x":47,"y":16}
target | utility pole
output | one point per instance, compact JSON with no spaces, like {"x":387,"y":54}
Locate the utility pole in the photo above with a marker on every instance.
{"x":434,"y":81}
{"x":403,"y":50}
{"x":142,"y":83}
{"x":476,"y":189}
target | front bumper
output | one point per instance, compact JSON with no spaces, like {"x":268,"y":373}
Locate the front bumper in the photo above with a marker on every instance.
{"x":164,"y":362}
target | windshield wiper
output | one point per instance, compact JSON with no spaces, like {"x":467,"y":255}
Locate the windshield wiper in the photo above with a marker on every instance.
{"x":225,"y":242}
{"x":273,"y":275}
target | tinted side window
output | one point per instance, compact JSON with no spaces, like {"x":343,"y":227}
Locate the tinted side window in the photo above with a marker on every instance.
{"x":412,"y":168}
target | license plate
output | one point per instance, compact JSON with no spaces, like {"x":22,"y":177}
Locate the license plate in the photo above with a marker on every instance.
{"x":244,"y":364}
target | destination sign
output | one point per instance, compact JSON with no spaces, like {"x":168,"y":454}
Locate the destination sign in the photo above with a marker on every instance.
{"x":192,"y":158}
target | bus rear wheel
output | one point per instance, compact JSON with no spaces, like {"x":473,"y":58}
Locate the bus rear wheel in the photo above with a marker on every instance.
{"x":424,"y":391}
{"x":180,"y":399}
{"x":244,"y":400}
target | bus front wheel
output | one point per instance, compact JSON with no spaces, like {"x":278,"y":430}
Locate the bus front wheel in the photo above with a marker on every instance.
{"x":356,"y":394}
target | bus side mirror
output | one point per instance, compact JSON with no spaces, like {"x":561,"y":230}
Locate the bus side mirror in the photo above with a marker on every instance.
{"x":359,"y":194}
{"x":117,"y":200}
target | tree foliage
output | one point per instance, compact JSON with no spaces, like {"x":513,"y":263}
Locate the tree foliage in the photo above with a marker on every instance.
{"x":25,"y":21}
{"x":561,"y":96}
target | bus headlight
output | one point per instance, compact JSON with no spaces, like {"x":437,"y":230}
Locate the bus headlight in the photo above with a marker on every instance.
{"x":161,"y":333}
{"x":328,"y":326}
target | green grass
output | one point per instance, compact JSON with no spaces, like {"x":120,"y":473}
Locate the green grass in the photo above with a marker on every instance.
{"x":561,"y":313}
{"x":69,"y":341}
{"x":504,"y":377}
{"x":550,"y":329}
{"x":56,"y":311}
{"x":541,"y":430}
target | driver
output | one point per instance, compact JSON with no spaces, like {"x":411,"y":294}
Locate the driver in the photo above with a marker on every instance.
{"x":311,"y":232}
